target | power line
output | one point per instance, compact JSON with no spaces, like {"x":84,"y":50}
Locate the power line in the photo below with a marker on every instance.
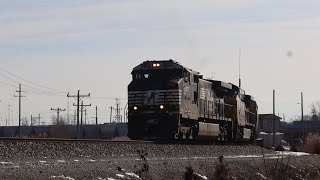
{"x":44,"y":93}
{"x":30,"y":81}
{"x":108,"y":98}
{"x":8,"y":84}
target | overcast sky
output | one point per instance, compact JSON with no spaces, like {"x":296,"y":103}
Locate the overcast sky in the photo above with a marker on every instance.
{"x":92,"y":46}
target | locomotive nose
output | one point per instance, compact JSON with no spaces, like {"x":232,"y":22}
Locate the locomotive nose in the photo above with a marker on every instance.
{"x":150,"y":124}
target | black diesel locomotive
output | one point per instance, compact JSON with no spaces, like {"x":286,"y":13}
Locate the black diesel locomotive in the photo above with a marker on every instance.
{"x":169,"y":101}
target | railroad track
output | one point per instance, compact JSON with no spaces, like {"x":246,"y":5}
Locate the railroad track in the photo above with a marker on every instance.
{"x":17,"y":139}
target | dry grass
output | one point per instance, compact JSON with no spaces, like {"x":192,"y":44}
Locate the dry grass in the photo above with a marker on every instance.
{"x":283,"y":167}
{"x":312,"y":145}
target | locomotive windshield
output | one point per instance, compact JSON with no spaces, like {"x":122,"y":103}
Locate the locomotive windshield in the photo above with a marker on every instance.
{"x":153,"y":79}
{"x":162,"y":74}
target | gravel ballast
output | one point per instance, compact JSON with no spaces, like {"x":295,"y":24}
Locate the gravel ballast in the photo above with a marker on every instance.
{"x":74,"y":160}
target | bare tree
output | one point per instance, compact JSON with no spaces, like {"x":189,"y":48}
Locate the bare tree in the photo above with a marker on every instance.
{"x":24,"y":121}
{"x":62,"y":120}
{"x":315,"y":111}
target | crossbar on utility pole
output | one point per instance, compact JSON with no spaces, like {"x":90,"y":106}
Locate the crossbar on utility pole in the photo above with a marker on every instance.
{"x":19,"y":96}
{"x":78,"y":96}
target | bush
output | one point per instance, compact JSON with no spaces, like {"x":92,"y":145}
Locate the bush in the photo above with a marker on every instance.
{"x":279,"y":148}
{"x":222,"y":170}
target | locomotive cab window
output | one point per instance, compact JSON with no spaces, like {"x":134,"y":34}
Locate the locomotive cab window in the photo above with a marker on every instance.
{"x":137,"y":76}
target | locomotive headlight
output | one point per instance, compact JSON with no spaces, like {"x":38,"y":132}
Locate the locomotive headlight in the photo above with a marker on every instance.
{"x":158,"y":65}
{"x":161,"y":106}
{"x":154,"y":65}
{"x":135,"y":108}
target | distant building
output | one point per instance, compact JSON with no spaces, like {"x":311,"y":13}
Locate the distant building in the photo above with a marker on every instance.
{"x":298,"y":129}
{"x":266,"y":123}
{"x":265,"y":130}
{"x":307,"y":125}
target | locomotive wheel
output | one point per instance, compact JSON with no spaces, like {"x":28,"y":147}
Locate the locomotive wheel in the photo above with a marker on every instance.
{"x":223,"y":135}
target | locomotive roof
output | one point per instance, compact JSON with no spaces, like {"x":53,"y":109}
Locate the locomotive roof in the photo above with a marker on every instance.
{"x":164,"y":64}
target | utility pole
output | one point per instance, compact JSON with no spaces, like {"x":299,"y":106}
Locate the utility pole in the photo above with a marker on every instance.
{"x":302,"y":118}
{"x":58,"y":114}
{"x":31,"y":123}
{"x":6,"y":122}
{"x":39,"y":117}
{"x":12,"y":118}
{"x":239,"y":69}
{"x":9,"y":114}
{"x":274,"y":119}
{"x":85,"y":116}
{"x":96,"y":115}
{"x":125,"y":113}
{"x":118,"y":116}
{"x":82,"y":105}
{"x":81,"y":118}
{"x":78,"y":96}
{"x":111,"y":114}
{"x":75,"y":117}
{"x":68,"y":113}
{"x":19,"y":96}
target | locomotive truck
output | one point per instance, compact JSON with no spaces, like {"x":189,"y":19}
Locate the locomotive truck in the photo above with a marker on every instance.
{"x":169,"y":101}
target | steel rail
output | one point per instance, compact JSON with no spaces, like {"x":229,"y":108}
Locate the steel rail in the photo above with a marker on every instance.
{"x":15,"y":139}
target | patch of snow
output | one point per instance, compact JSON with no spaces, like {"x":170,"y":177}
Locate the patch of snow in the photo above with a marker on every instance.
{"x":63,"y":177}
{"x":261,"y":175}
{"x":123,"y":170}
{"x":200,"y":176}
{"x":92,"y":160}
{"x":61,"y":161}
{"x":76,"y":160}
{"x":242,"y":156}
{"x":42,"y":162}
{"x":99,"y":178}
{"x":15,"y":167}
{"x":293,"y":167}
{"x":111,"y":179}
{"x":5,"y":163}
{"x":293,"y":153}
{"x":120,"y":175}
{"x":133,"y":175}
